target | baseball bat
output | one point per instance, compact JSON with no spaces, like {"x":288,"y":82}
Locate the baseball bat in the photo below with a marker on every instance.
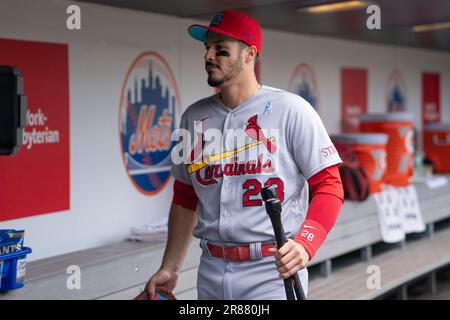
{"x":273,"y":209}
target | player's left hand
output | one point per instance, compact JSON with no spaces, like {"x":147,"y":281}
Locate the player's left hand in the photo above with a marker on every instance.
{"x":290,"y":258}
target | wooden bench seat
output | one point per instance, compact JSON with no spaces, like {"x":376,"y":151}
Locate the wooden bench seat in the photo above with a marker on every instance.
{"x":397,"y":266}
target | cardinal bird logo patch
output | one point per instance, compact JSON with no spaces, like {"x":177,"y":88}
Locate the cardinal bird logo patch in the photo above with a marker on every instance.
{"x":256,"y":134}
{"x":253,"y":151}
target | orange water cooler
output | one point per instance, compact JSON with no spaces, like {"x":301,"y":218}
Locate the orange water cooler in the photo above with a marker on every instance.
{"x":370,"y":149}
{"x":436,"y":145}
{"x":399,"y":126}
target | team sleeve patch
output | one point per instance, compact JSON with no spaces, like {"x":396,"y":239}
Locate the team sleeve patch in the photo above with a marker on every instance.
{"x":328,"y":151}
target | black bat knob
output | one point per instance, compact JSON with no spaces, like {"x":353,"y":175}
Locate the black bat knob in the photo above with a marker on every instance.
{"x":268,"y":193}
{"x":270,"y":198}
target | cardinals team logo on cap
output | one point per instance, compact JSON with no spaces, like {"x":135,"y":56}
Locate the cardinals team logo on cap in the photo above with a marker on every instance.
{"x":216,"y":20}
{"x":149,"y":107}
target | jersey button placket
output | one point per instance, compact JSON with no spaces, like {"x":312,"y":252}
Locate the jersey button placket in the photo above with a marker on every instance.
{"x":224,"y":223}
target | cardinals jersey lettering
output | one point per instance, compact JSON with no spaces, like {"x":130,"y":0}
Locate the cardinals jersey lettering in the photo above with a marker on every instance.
{"x":273,"y":138}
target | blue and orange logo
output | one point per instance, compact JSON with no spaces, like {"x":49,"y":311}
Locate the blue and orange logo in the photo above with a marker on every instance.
{"x":303,"y":83}
{"x":149,"y":106}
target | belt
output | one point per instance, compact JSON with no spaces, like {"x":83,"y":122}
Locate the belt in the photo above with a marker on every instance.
{"x":238,"y":253}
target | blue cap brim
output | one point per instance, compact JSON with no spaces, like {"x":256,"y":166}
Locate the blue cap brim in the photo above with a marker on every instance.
{"x":198,"y":32}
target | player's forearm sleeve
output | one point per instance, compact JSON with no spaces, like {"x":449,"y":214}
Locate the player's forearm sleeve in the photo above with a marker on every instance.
{"x":327,"y":199}
{"x":184,"y":195}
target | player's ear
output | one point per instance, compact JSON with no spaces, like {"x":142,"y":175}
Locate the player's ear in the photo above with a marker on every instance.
{"x":251,"y":54}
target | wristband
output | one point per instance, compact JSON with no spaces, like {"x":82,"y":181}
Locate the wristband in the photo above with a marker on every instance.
{"x":311,"y":236}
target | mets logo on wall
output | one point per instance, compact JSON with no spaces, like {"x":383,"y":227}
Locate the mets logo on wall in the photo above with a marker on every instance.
{"x":148,"y":115}
{"x":396,"y":92}
{"x":303,"y":83}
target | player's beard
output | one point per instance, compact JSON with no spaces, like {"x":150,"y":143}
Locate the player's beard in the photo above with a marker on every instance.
{"x":234,"y":68}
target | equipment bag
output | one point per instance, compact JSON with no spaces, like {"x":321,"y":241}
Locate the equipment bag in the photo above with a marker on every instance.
{"x":354,"y":179}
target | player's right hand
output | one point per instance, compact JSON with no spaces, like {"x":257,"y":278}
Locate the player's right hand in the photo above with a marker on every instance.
{"x":163,"y":277}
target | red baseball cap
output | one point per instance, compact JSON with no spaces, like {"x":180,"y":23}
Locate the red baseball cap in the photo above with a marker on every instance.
{"x":233,"y":24}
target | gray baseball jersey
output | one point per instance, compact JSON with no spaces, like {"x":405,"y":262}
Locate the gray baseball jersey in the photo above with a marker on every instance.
{"x":273,"y":138}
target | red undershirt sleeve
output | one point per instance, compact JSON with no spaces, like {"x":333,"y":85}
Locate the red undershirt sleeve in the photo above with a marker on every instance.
{"x":327,"y":199}
{"x":184,"y":195}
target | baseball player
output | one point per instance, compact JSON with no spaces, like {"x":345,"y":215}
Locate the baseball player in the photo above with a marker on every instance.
{"x":281,"y":142}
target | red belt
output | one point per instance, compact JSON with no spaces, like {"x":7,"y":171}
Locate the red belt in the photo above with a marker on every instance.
{"x":239,"y":253}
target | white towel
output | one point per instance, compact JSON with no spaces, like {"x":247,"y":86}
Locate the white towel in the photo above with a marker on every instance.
{"x":156,"y":231}
{"x":389,"y":218}
{"x":398,"y":212}
{"x":433,"y":182}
